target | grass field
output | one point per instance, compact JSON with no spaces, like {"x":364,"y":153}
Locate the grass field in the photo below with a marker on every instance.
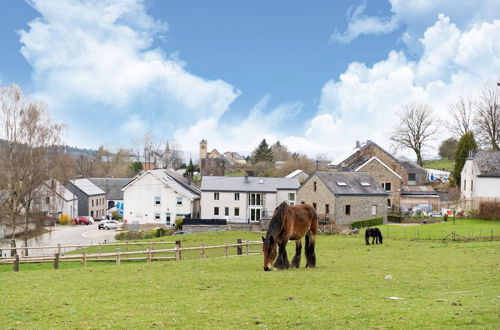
{"x":442,"y":285}
{"x":440,"y":164}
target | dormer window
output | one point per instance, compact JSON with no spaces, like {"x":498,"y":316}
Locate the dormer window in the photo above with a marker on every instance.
{"x":341,"y":184}
{"x":365,"y":184}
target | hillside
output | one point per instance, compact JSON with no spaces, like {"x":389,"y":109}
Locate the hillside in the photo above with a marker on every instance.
{"x":440,"y":164}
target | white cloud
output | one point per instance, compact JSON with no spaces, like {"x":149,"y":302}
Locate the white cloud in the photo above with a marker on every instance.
{"x":362,"y":24}
{"x":363,"y":103}
{"x":98,"y":54}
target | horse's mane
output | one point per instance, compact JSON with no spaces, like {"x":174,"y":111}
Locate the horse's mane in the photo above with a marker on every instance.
{"x":276,"y":223}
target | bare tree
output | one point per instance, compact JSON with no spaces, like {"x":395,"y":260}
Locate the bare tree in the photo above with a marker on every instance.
{"x":462,"y":113}
{"x":29,"y":153}
{"x":488,"y":117}
{"x":85,"y":166}
{"x":415,"y":129}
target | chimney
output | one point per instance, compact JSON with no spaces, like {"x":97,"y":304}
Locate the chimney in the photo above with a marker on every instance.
{"x":358,"y":145}
{"x":246,"y":179}
{"x":368,"y":141}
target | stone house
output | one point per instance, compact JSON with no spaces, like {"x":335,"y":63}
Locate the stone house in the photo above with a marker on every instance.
{"x":480,"y":179}
{"x":244,"y":199}
{"x":91,"y":199}
{"x":344,"y":197}
{"x":157,"y":197}
{"x":299,"y":175}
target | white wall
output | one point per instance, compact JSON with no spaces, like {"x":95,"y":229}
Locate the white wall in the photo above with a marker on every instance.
{"x":467,"y":176}
{"x":477,"y":187}
{"x":226,"y":199}
{"x":486,"y":187}
{"x":139,"y":201}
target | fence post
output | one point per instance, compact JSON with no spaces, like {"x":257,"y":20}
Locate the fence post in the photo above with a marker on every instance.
{"x":248,"y":247}
{"x":13,"y":250}
{"x":99,"y":251}
{"x":492,"y":234}
{"x":202,"y":252}
{"x":239,"y":249}
{"x":117,"y":256}
{"x":178,"y":255}
{"x":16,"y":263}
{"x":56,"y":261}
{"x":59,"y":249}
{"x":126,"y":249}
{"x":226,"y":250}
{"x":149,"y":255}
{"x":84,"y":259}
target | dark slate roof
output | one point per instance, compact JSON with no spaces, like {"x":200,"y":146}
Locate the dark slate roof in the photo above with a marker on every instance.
{"x":353,"y":184}
{"x":112,"y":186}
{"x":355,"y":152}
{"x":488,"y":163}
{"x":254,"y":184}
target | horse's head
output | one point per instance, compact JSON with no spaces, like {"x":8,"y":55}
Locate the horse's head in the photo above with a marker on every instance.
{"x":270,"y":251}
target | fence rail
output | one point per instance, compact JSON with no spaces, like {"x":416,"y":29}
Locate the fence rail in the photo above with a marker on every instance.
{"x":143,"y":255}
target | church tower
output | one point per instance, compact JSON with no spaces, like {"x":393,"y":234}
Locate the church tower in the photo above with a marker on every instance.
{"x":203,"y":149}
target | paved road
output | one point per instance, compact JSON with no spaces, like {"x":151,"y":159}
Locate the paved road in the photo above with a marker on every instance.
{"x":69,"y":235}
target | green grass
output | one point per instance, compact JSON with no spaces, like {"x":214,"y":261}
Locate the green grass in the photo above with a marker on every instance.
{"x":440,"y":164}
{"x":464,"y":228}
{"x":444,"y":285}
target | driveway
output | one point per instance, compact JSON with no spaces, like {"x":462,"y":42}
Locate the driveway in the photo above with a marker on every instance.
{"x":68,"y":235}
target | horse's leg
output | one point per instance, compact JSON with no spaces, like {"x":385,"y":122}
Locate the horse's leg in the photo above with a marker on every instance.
{"x":298,"y":252}
{"x":282,"y":260}
{"x":367,"y":238}
{"x":286,"y":263}
{"x":279,"y":260}
{"x":310,"y":254}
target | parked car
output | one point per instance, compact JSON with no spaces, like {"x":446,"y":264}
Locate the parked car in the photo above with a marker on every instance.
{"x":181,"y":233}
{"x":421,"y":209}
{"x":83,"y":220}
{"x":108,"y":224}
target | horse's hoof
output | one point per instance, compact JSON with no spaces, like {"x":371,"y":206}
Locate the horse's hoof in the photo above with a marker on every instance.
{"x":266,"y":269}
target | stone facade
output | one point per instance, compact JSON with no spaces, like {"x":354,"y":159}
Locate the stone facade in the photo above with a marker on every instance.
{"x":333,"y":207}
{"x":212,"y":166}
{"x":383,"y":175}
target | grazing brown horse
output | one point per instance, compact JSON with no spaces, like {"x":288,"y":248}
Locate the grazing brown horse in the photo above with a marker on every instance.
{"x":290,"y":223}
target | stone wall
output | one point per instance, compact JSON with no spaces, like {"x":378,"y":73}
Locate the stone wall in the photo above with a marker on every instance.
{"x":373,"y":150}
{"x":215,"y":167}
{"x":360,"y":208}
{"x":322,"y":196}
{"x":382,"y":175}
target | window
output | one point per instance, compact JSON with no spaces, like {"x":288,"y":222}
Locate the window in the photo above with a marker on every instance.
{"x":236,"y":211}
{"x":256,"y":199}
{"x":92,"y":203}
{"x":179,"y":200}
{"x":226,"y":211}
{"x":365,"y":184}
{"x":236,"y":196}
{"x":47,"y":200}
{"x":412,"y":176}
{"x":348,"y":209}
{"x":302,"y":202}
{"x":374,"y":209}
{"x":387,"y":186}
{"x":216,"y":196}
{"x":315,"y":186}
{"x":327,"y":209}
{"x":157,"y":200}
{"x":291,"y":198}
{"x":157,"y":215}
{"x":341,"y":184}
{"x":388,"y":202}
{"x":465,"y":184}
{"x":314,"y":206}
{"x":216,"y":210}
{"x":168,"y":219}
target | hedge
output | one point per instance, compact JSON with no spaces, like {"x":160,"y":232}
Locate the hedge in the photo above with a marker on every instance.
{"x":367,"y":222}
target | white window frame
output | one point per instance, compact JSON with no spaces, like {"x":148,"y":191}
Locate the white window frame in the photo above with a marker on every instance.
{"x":157,"y":201}
{"x":236,"y":196}
{"x":216,"y":196}
{"x":291,"y":198}
{"x":179,"y":200}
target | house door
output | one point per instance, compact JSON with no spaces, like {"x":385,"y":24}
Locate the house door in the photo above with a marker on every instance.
{"x":255,"y":214}
{"x":168,"y":219}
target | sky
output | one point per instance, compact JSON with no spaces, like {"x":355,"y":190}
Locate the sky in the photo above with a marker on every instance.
{"x":317,"y":75}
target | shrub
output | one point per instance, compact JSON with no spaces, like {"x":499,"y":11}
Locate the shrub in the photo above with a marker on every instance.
{"x":160,"y":232}
{"x":64,"y":219}
{"x":367,"y":222}
{"x":489,"y":210}
{"x":178,"y":223}
{"x":150,"y":234}
{"x":445,"y":217}
{"x":129,"y":235}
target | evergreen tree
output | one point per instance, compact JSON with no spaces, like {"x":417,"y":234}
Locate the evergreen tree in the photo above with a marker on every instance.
{"x":263,"y":153}
{"x":467,"y":143}
{"x":190,"y":169}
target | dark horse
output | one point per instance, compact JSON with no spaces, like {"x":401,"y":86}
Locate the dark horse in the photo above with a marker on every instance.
{"x":290,"y":223}
{"x":375,"y":233}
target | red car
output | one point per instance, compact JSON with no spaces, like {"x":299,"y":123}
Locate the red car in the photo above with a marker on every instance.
{"x":83,"y":220}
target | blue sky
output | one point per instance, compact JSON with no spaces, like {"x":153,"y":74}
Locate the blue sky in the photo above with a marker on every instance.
{"x":317,"y":76}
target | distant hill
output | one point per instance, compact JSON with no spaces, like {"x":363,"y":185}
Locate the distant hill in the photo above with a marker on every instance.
{"x":440,"y":164}
{"x":76,"y":150}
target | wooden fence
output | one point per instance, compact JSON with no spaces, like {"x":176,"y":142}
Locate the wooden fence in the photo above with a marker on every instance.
{"x":151,"y":254}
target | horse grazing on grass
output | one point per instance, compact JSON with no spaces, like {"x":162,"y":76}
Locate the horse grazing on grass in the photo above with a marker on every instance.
{"x":290,"y":223}
{"x":375,"y":233}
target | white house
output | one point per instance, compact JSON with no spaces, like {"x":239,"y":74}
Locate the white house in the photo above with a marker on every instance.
{"x":54,"y":199}
{"x":243,"y":199}
{"x":158,"y":197}
{"x":480,"y":179}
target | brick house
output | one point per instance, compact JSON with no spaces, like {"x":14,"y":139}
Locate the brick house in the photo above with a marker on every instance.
{"x":344,"y":197}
